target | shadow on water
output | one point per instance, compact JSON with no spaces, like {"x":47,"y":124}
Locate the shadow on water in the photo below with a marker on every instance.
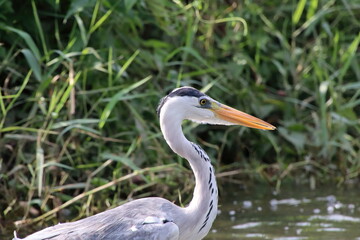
{"x":296,"y":213}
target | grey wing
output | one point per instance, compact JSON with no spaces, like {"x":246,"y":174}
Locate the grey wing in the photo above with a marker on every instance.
{"x":153,"y":231}
{"x":153,"y":228}
{"x":137,"y":220}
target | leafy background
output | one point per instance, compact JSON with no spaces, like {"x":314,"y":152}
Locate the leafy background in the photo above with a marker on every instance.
{"x":80,"y":81}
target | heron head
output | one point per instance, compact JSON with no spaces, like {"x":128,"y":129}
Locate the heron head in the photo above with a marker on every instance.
{"x":189,"y":103}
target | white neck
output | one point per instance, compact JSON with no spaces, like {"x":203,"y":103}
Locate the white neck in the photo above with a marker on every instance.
{"x":202,"y":209}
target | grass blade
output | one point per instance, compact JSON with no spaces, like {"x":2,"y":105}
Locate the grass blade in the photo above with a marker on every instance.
{"x":74,"y":122}
{"x":298,"y":11}
{"x":348,"y":56}
{"x":2,"y":104}
{"x":100,"y":21}
{"x":110,"y":67}
{"x":66,"y":94}
{"x":312,"y":9}
{"x":83,"y":34}
{"x":109,"y":107}
{"x":39,"y":27}
{"x":33,"y":63}
{"x":23,"y":85}
{"x":27,"y":38}
{"x":77,"y":126}
{"x":126,"y":65}
{"x":123,"y":159}
{"x":94,"y":14}
{"x":39,"y":168}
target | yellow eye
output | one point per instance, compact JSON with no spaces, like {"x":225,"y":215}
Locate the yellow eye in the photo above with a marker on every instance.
{"x":203,"y":101}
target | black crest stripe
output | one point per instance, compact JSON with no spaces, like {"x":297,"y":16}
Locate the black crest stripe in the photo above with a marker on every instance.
{"x":180,"y":92}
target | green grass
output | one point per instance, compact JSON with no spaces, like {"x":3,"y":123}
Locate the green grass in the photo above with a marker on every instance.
{"x":80,"y":82}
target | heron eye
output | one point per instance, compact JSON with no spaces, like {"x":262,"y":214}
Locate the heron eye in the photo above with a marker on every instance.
{"x":203,"y":101}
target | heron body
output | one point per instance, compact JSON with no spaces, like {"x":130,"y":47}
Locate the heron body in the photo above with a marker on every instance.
{"x":157,"y":218}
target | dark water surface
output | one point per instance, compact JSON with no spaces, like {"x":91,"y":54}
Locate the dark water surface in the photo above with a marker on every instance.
{"x":296,"y":213}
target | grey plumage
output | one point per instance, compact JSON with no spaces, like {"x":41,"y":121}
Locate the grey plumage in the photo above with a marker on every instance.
{"x":127,"y":221}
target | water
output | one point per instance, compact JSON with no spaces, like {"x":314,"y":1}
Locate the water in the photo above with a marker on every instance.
{"x":296,"y":213}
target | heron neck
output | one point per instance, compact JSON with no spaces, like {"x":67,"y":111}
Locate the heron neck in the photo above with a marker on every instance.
{"x":203,"y":206}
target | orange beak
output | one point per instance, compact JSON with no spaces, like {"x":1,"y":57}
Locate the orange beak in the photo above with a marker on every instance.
{"x":239,"y":118}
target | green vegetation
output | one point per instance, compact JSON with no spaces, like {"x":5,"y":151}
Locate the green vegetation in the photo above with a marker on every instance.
{"x":80,"y":81}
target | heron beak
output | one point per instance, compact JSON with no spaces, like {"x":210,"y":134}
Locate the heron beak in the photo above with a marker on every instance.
{"x":239,"y":118}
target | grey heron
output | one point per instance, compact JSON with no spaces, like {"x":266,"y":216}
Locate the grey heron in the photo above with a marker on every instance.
{"x":156,"y":218}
